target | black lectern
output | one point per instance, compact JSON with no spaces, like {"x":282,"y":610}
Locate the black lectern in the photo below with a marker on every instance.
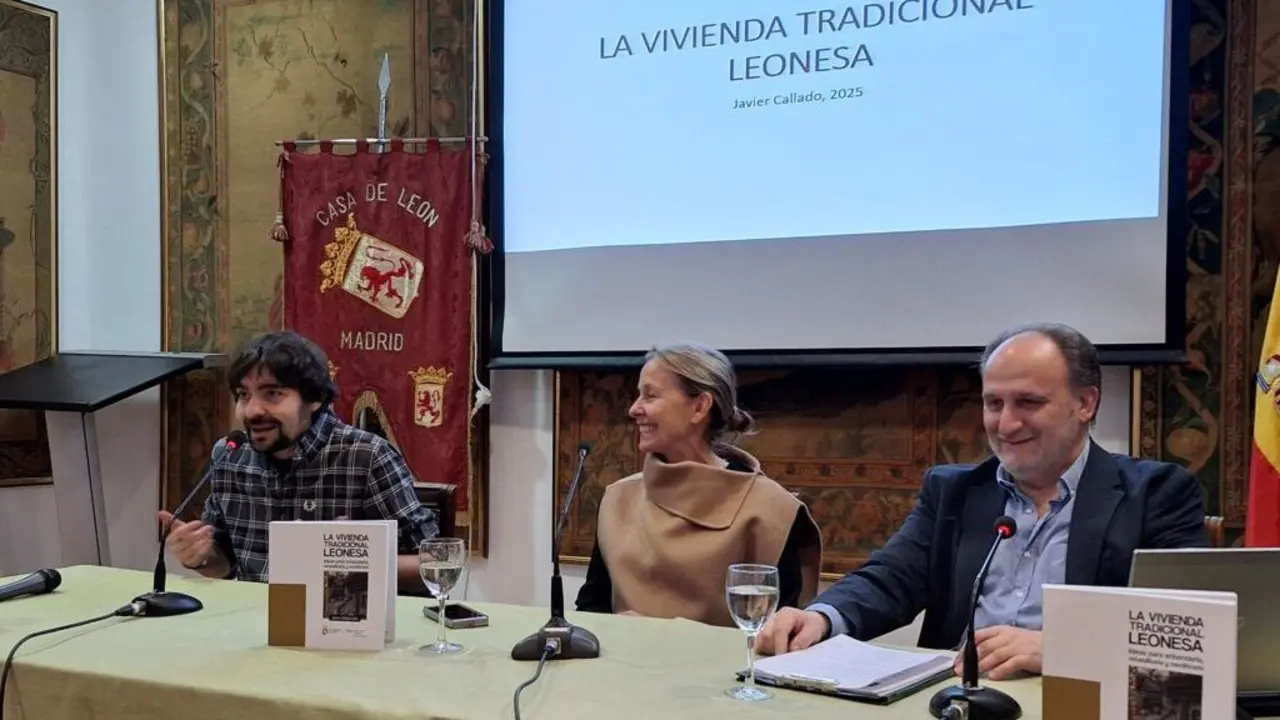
{"x":69,"y":388}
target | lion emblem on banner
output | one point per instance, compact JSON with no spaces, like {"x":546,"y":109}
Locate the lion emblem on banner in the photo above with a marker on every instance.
{"x":1268,"y":374}
{"x":428,"y":395}
{"x":372,"y":270}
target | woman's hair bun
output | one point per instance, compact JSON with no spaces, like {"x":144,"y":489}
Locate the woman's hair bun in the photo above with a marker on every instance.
{"x":740,"y":422}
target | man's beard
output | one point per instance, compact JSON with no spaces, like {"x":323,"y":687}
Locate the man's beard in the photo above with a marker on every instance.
{"x":281,"y":441}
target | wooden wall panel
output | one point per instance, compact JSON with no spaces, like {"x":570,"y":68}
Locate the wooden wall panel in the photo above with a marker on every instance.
{"x":853,"y":443}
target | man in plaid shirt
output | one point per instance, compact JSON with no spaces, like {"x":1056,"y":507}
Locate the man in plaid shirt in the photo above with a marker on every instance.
{"x":302,"y":463}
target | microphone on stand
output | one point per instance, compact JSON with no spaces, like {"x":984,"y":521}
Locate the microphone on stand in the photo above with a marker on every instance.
{"x":37,"y":583}
{"x":559,"y":639}
{"x":159,"y":602}
{"x":969,"y":700}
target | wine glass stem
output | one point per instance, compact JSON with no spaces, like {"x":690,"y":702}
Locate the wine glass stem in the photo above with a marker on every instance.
{"x":440,"y":636}
{"x":751,"y":661}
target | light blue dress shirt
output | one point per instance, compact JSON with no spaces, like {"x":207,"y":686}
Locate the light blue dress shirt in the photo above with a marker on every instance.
{"x":1037,"y":554}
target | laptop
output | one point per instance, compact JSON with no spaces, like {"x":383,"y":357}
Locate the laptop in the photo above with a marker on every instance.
{"x":1253,"y":574}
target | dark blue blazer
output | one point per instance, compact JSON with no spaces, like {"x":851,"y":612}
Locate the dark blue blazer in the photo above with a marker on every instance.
{"x":930,"y":564}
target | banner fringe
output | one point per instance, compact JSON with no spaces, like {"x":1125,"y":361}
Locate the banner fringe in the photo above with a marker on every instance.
{"x":478,"y":239}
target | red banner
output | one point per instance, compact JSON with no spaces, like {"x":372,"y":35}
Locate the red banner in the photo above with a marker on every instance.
{"x":378,"y":272}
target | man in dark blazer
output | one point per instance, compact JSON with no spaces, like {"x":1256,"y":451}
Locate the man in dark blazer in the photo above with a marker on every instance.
{"x":1080,"y":512}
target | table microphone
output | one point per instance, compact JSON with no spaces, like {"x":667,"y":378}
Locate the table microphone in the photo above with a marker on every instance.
{"x":560,"y":639}
{"x":37,"y":583}
{"x":970,"y":700}
{"x":159,"y":602}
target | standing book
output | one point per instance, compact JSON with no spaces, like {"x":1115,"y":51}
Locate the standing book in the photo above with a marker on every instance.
{"x":332,"y":585}
{"x":1138,"y":654}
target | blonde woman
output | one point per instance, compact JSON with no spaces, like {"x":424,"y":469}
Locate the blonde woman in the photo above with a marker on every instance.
{"x":666,"y":536}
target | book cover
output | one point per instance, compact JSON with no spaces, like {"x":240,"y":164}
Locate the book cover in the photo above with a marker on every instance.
{"x":332,"y":585}
{"x":1133,"y":654}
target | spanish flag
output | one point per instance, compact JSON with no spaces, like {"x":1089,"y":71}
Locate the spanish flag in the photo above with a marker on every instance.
{"x":1262,"y":528}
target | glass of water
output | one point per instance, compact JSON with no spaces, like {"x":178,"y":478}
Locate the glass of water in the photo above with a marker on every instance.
{"x":441,"y":562}
{"x":752,"y":594}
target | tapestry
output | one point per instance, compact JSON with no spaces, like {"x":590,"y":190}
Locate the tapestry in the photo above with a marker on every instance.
{"x":239,"y":75}
{"x":28,"y":138}
{"x":1200,"y":414}
{"x":852,"y":444}
{"x":378,"y":273}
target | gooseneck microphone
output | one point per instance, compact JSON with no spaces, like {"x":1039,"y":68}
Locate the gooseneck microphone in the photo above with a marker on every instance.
{"x":159,"y":602}
{"x":37,"y":583}
{"x":559,"y":639}
{"x":969,"y":700}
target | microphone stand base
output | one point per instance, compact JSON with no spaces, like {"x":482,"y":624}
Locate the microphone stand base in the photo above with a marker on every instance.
{"x":983,"y":703}
{"x":168,"y":604}
{"x":571,"y":643}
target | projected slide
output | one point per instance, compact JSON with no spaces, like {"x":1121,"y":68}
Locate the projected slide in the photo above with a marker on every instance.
{"x":897,"y":175}
{"x":696,"y":121}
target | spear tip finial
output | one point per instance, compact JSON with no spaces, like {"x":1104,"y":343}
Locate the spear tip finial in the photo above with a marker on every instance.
{"x":384,"y":75}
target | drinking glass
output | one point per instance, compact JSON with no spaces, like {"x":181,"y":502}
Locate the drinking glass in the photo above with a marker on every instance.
{"x":441,"y":562}
{"x":752,"y":594}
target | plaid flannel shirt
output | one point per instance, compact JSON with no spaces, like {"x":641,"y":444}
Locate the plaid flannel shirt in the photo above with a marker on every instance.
{"x":338,"y":471}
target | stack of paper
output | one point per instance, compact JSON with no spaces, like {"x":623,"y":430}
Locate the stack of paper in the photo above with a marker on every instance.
{"x":856,"y":670}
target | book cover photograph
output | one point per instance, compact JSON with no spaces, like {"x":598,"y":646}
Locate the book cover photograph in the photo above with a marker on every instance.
{"x":332,"y":584}
{"x":1156,"y":694}
{"x":1149,"y":655}
{"x":346,"y":596}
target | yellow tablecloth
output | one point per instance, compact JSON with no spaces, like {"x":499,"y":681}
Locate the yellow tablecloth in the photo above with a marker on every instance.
{"x":216,"y":664}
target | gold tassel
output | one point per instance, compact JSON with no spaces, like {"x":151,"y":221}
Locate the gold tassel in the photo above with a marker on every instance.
{"x":278,"y":231}
{"x":478,"y":240}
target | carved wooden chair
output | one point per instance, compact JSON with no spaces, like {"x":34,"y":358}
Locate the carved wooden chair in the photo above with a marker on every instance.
{"x":438,"y":498}
{"x":1213,"y":527}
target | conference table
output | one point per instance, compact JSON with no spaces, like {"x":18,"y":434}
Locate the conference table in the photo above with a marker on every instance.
{"x":216,"y":664}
